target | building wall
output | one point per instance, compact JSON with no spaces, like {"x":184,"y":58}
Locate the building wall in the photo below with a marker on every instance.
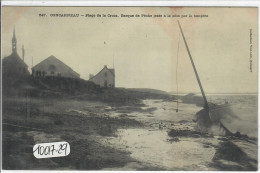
{"x":53,"y":67}
{"x":15,"y":70}
{"x":13,"y":66}
{"x":104,"y":78}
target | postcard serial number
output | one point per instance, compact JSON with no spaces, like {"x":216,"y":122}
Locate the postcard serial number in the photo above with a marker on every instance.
{"x":55,"y":149}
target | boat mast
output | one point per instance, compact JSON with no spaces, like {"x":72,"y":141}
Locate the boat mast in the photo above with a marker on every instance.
{"x":206,"y":106}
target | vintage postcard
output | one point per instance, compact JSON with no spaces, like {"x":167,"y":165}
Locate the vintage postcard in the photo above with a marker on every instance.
{"x":130,"y":88}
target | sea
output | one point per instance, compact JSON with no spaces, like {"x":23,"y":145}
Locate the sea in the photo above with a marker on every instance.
{"x":152,"y":145}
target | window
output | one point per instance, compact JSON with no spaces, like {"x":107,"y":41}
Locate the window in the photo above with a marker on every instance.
{"x":105,"y":74}
{"x":52,"y":67}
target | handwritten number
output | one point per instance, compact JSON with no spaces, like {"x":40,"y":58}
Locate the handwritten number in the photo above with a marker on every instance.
{"x":63,"y":147}
{"x":50,"y":150}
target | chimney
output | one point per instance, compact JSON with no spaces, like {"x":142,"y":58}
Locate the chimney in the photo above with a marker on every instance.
{"x":23,"y":52}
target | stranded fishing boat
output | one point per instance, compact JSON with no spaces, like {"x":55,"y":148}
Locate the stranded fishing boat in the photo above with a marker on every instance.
{"x":211,"y":114}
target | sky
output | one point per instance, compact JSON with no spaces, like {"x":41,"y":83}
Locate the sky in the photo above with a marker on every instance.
{"x":144,"y":49}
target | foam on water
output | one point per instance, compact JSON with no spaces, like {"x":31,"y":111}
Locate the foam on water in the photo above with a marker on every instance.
{"x":153,"y":147}
{"x":239,"y":115}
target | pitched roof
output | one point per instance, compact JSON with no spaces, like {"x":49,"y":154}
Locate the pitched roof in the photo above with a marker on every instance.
{"x":55,"y":59}
{"x":111,"y":70}
{"x":14,"y":59}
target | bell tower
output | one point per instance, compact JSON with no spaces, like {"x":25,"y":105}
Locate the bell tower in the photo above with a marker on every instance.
{"x":14,"y":42}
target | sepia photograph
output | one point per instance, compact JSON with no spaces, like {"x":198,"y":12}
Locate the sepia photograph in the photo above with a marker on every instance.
{"x":129,"y":88}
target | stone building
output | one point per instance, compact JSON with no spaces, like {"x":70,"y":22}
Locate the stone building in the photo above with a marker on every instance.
{"x":52,"y":66}
{"x":105,"y":78}
{"x":13,"y":65}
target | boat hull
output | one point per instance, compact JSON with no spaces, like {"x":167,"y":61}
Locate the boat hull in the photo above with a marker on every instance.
{"x":209,"y":120}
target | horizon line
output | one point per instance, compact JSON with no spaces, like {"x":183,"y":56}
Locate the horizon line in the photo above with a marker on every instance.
{"x":188,"y":92}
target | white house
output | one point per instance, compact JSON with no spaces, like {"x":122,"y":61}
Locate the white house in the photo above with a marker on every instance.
{"x":105,"y":78}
